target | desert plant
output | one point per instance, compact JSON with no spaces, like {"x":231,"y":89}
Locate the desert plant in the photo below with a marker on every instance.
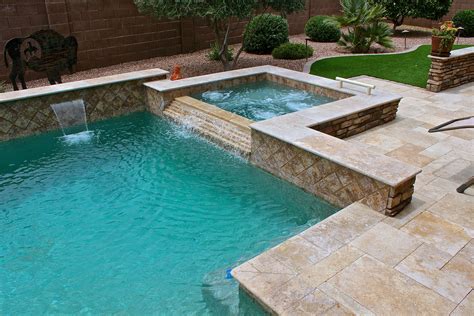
{"x":215,"y":51}
{"x":264,"y":33}
{"x":397,"y":11}
{"x":292,"y":51}
{"x":465,"y":19}
{"x":364,"y":26}
{"x":319,"y":29}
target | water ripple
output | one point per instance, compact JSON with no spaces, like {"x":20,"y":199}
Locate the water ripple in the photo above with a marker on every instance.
{"x":144,"y":219}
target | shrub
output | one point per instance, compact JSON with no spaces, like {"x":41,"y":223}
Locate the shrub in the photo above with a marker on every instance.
{"x":292,"y":51}
{"x":465,"y":19}
{"x":320,"y":29}
{"x":213,"y":54}
{"x":264,"y":33}
{"x":364,"y":26}
{"x":397,"y":11}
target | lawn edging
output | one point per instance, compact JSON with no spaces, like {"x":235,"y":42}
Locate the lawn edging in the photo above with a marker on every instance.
{"x":410,"y":67}
{"x":307,"y":66}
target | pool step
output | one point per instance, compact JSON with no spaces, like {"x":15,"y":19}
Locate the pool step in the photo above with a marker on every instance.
{"x":226,"y":129}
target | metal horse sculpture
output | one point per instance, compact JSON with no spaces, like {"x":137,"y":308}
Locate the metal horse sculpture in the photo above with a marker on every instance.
{"x":43,"y":51}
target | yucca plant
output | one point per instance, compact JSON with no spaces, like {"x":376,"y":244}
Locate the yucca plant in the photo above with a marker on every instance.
{"x":364,"y":26}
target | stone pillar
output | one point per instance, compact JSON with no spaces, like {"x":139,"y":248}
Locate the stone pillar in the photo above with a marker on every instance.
{"x":452,"y":71}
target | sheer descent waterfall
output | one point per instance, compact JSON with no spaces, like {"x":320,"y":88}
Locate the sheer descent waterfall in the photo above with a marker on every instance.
{"x":71,"y":114}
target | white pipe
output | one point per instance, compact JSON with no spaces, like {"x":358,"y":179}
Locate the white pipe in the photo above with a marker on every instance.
{"x":357,"y":83}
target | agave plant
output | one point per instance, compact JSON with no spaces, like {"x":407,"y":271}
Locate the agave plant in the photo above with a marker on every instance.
{"x":364,"y":26}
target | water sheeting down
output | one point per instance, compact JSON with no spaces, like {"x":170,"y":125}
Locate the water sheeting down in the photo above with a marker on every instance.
{"x":71,"y":114}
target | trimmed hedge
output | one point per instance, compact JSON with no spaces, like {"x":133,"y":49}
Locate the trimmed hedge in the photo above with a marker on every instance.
{"x":292,"y":51}
{"x":319,"y":30}
{"x":264,"y":33}
{"x":465,"y":19}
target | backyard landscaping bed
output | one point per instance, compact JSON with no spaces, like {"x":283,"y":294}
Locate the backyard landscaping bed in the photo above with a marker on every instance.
{"x":196,"y":64}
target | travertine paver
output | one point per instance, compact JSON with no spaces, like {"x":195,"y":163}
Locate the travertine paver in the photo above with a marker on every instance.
{"x":317,"y":303}
{"x":435,"y":230}
{"x":421,"y":266}
{"x":466,"y":307}
{"x":386,"y":243}
{"x":460,"y":208}
{"x":385,"y":291}
{"x":420,"y":262}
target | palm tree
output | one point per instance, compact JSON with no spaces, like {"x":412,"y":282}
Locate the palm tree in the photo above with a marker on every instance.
{"x":365,"y":27}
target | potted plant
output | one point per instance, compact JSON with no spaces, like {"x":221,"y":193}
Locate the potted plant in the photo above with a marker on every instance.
{"x":442,"y":39}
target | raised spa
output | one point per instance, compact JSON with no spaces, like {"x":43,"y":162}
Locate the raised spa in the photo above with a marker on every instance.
{"x":143,"y":218}
{"x":261,"y":100}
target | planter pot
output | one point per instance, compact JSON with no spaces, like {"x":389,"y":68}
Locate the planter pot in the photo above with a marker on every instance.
{"x":437,"y":49}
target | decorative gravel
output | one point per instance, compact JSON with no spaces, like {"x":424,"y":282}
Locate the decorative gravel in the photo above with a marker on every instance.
{"x":195,"y":64}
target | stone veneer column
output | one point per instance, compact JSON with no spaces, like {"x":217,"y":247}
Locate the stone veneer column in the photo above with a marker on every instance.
{"x":453,"y":71}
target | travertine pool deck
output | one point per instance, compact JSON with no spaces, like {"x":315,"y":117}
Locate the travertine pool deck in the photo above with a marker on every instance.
{"x":419,"y":262}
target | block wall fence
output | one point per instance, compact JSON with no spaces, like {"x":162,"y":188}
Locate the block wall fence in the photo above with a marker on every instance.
{"x":112,"y":31}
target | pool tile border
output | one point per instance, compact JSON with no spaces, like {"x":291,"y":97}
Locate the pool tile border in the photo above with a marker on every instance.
{"x":28,"y":112}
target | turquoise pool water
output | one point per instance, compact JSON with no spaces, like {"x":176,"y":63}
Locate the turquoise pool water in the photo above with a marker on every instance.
{"x":142,"y":218}
{"x":262,"y":100}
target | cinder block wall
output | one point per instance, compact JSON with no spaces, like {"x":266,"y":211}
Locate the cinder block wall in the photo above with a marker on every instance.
{"x":112,"y":31}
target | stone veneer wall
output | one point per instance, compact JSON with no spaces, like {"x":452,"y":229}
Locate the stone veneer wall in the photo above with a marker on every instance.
{"x":34,"y":115}
{"x":359,"y":122}
{"x":335,"y":183}
{"x":449,"y":72}
{"x":228,"y":130}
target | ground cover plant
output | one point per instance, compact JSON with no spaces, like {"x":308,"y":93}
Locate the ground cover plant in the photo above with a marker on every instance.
{"x":292,"y":51}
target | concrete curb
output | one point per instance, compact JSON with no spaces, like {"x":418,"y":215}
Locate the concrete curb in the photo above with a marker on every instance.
{"x":307,"y":66}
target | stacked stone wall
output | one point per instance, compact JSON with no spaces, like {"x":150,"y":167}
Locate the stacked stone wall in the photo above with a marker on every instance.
{"x":450,"y":72}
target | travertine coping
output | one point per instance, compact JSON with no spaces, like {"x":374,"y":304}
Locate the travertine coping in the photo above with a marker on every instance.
{"x":456,"y":53}
{"x":81,"y":84}
{"x":295,"y":129}
{"x":168,"y":85}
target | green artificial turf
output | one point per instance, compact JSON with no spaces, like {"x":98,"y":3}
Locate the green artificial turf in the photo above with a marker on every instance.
{"x":411,"y":68}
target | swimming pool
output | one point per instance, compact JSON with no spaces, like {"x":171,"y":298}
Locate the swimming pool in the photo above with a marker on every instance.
{"x":261,"y":100}
{"x":142,"y":218}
